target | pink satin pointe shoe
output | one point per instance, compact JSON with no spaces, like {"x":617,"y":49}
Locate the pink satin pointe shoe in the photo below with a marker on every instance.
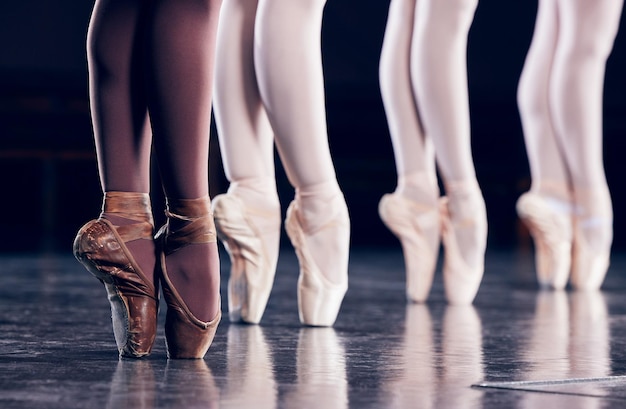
{"x":590,"y":261}
{"x":550,"y":224}
{"x":101,"y":248}
{"x":252,"y":268}
{"x":186,"y":336}
{"x":417,"y":226}
{"x":462,"y":279}
{"x":319,"y":299}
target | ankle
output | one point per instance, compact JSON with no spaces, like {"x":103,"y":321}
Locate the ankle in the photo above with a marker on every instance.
{"x":131,"y":215}
{"x":322,"y":216}
{"x":420,"y":187}
{"x":465,"y":210}
{"x":263,"y":189}
{"x":593,"y":203}
{"x":465,"y":201}
{"x":259,"y":197}
{"x":319,"y":205}
{"x":189,"y":221}
{"x":191,"y":254}
{"x":127,"y":207}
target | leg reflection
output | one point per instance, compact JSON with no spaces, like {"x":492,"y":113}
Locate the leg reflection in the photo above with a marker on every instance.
{"x":589,"y":343}
{"x":251,"y":381}
{"x":189,"y":384}
{"x":547,"y":351}
{"x":433,"y":376}
{"x":570,"y":339}
{"x":546,"y":354}
{"x":321,"y":371}
{"x":415,"y":362}
{"x":133,"y":385}
{"x":462,"y":357}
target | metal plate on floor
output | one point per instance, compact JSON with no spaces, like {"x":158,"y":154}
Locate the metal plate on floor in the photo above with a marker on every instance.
{"x":605,"y":387}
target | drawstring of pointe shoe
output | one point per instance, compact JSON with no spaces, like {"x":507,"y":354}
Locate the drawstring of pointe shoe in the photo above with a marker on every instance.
{"x":328,"y":195}
{"x":199,"y":229}
{"x":131,"y":206}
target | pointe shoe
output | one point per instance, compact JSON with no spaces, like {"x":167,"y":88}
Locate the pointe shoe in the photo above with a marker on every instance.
{"x":589,"y":264}
{"x":412,"y":223}
{"x":252,"y":269}
{"x":319,"y":299}
{"x":186,"y":336}
{"x":100,"y":247}
{"x":551,"y":231}
{"x":461,"y":280}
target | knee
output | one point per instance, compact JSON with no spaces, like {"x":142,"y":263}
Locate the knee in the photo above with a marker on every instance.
{"x":463,"y":6}
{"x":593,"y":30}
{"x":305,"y":4}
{"x":589,"y":48}
{"x":455,"y":15}
{"x":461,"y":9}
{"x":529,"y":99}
{"x":523,"y":100}
{"x":202,"y":6}
{"x":102,"y":55}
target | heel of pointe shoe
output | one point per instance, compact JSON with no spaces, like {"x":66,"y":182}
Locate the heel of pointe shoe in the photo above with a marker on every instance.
{"x":319,"y":300}
{"x":100,"y":248}
{"x":593,"y":237}
{"x":252,"y":272}
{"x":186,"y":336}
{"x":461,"y":281}
{"x":589,"y":270}
{"x":409,"y":221}
{"x":589,"y":266}
{"x":552,"y":235}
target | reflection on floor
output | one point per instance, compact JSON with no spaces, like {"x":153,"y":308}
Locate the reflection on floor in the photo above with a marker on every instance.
{"x":515,"y":348}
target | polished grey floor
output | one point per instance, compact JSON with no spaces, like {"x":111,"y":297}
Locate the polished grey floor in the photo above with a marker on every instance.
{"x":515,"y":348}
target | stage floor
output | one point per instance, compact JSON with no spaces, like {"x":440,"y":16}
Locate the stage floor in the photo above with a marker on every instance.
{"x":515,"y":348}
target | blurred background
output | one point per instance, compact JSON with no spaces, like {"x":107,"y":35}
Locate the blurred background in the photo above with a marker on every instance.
{"x":48,"y":174}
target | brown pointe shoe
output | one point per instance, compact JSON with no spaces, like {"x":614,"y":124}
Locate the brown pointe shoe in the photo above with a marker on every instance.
{"x":100,"y":247}
{"x":186,"y":336}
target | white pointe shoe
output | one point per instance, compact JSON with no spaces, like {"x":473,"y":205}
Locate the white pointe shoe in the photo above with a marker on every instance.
{"x":319,"y":299}
{"x":252,"y":268}
{"x":414,"y":224}
{"x":551,"y":230}
{"x":589,"y":264}
{"x":461,"y":280}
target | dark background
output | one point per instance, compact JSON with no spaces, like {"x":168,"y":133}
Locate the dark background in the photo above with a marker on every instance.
{"x":48,"y":175}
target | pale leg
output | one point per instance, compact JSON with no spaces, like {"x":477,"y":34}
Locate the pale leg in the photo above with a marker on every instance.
{"x":289,"y":70}
{"x":411,"y":213}
{"x":438,"y":70}
{"x":248,"y":216}
{"x":546,"y":209}
{"x":588,"y":29}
